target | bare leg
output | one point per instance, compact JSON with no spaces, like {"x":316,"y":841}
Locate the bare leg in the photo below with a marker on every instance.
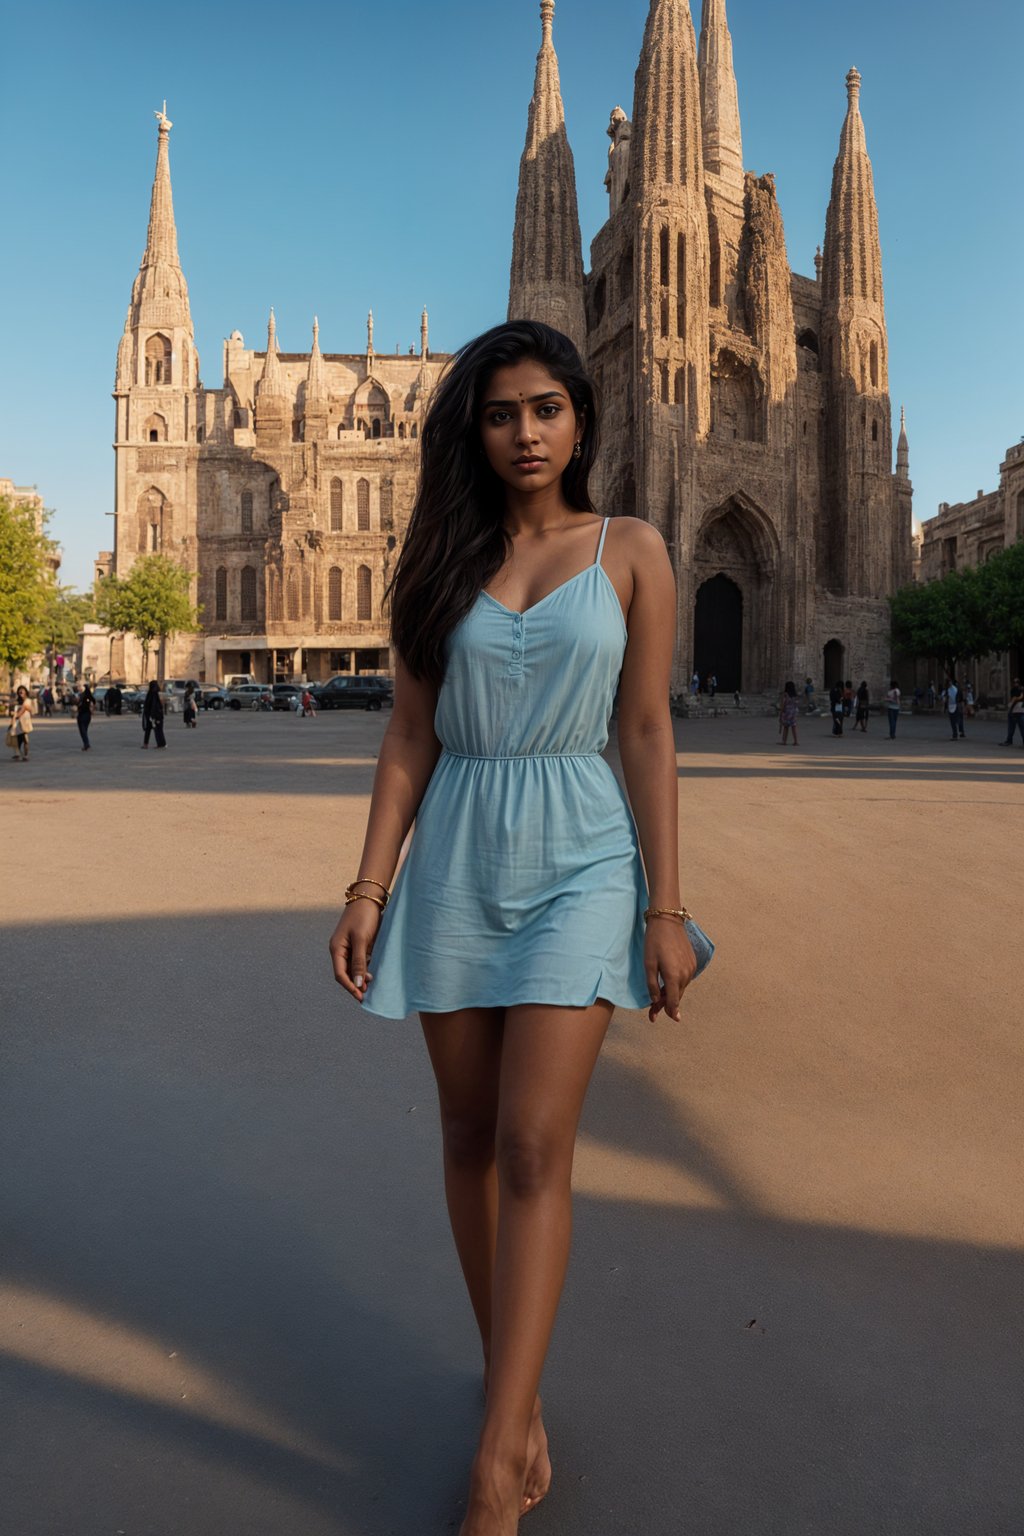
{"x":548,"y":1055}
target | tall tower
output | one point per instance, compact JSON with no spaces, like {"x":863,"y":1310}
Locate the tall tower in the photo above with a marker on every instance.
{"x":547,"y":255}
{"x":860,"y":502}
{"x":155,"y":390}
{"x":723,"y":158}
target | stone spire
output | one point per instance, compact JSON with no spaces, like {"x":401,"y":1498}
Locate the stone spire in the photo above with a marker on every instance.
{"x":667,"y":121}
{"x":316,"y":378}
{"x":723,"y":144}
{"x":903,"y":449}
{"x":272,"y":384}
{"x":160,"y":293}
{"x":852,"y":265}
{"x":547,"y":252}
{"x":424,"y":333}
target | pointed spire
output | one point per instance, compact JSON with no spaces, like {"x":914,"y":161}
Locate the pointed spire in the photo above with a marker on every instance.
{"x":853,"y":254}
{"x":160,"y":293}
{"x":272,"y":384}
{"x":369,"y":334}
{"x":316,"y":378}
{"x":668,"y":130}
{"x":547,"y":252}
{"x":424,"y":333}
{"x":903,"y":449}
{"x":818,"y":260}
{"x":723,"y":144}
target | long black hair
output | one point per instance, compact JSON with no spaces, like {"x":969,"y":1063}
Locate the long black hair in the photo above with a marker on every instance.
{"x":456,"y":539}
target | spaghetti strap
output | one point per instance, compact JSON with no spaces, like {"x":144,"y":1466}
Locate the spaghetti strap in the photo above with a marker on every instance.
{"x":600,"y":542}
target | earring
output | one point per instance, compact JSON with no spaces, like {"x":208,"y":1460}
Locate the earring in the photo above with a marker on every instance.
{"x":577,"y":451}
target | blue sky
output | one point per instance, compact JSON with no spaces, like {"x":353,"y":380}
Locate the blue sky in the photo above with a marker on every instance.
{"x":366,"y":155}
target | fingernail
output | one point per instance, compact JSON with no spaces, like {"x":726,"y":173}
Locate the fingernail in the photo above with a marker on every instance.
{"x":357,"y":981}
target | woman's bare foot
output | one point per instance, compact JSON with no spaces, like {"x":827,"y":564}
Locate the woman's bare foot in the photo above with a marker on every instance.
{"x":495,"y":1500}
{"x":538,"y":1462}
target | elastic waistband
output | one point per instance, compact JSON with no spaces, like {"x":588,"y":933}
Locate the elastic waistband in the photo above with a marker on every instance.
{"x":513,"y":757}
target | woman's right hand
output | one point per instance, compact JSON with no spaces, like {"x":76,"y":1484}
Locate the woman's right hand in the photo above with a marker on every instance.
{"x":352,"y":944}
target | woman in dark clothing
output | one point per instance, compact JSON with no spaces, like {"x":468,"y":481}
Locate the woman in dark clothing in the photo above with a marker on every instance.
{"x":863,"y":707}
{"x":190,"y":705}
{"x":153,"y":716}
{"x":83,"y":714}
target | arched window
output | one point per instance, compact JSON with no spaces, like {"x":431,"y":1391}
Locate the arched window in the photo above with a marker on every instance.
{"x":200,"y":434}
{"x":363,"y":506}
{"x":401,"y":429}
{"x":664,"y":383}
{"x":415,"y":430}
{"x":291,"y":610}
{"x":221,"y":595}
{"x":274,"y":594}
{"x":248,"y":594}
{"x":247,"y":511}
{"x":808,"y":338}
{"x":874,"y":365}
{"x":364,"y":593}
{"x":666,"y":278}
{"x":334,"y":594}
{"x":158,"y":360}
{"x":715,"y":267}
{"x":680,"y":386}
{"x":874,"y":431}
{"x":387,"y":506}
{"x":337,"y":505}
{"x":150,"y":510}
{"x":664,"y":313}
{"x":155,"y":430}
{"x":681,"y":285}
{"x":375,"y":430}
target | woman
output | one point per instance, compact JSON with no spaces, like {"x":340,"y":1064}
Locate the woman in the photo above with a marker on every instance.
{"x":518,"y":919}
{"x":21,"y":724}
{"x":863,"y":707}
{"x":83,"y":715}
{"x":188,"y":708}
{"x":892,"y":704}
{"x":153,"y":716}
{"x":789,"y":710}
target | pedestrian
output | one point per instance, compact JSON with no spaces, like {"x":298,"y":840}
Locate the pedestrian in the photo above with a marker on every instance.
{"x":863,"y":707}
{"x":954,"y":709}
{"x":153,"y":716}
{"x":21,"y":725}
{"x":46,"y":698}
{"x":892,"y":704}
{"x":117,"y":696}
{"x":83,"y":714}
{"x":712,"y":684}
{"x":789,"y":710}
{"x":188,"y":708}
{"x":515,"y":962}
{"x":307,"y":704}
{"x":835,"y":705}
{"x":931,"y":695}
{"x":695,"y":684}
{"x":1015,"y":714}
{"x":969,"y":699}
{"x":809,"y":691}
{"x":848,"y":699}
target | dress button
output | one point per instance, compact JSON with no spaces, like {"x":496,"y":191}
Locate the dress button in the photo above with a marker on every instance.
{"x":515,"y":655}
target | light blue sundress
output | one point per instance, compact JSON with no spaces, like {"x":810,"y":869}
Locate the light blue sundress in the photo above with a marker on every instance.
{"x":523,"y":882}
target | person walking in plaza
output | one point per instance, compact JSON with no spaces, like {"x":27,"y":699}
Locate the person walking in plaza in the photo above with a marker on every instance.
{"x":83,"y":714}
{"x":1015,"y":714}
{"x":188,"y":707}
{"x":46,"y":700}
{"x":863,"y":707}
{"x":522,"y":915}
{"x":308,"y":708}
{"x":835,"y":704}
{"x":789,"y":711}
{"x":954,"y":708}
{"x":153,"y":716}
{"x":810,"y":707}
{"x":21,"y":725}
{"x":892,"y":704}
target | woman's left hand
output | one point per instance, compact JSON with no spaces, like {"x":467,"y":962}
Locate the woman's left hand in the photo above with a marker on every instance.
{"x":670,"y":965}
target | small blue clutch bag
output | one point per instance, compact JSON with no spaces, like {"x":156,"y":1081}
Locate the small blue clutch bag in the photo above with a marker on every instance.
{"x":701,"y":945}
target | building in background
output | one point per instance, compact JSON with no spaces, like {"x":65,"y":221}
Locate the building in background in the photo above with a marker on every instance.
{"x":747,"y":410}
{"x":286,"y":490}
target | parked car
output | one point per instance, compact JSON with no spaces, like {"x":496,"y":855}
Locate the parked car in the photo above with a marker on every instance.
{"x":250,"y":696}
{"x":213,"y":697}
{"x":285,"y":693}
{"x":351,"y":693}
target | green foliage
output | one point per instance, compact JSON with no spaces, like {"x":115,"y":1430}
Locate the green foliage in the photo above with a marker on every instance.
{"x":26,"y":584}
{"x":1001,"y":580}
{"x":66,"y":612}
{"x":151,"y":602}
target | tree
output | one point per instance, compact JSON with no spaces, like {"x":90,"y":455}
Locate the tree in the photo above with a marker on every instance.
{"x":944,"y":619}
{"x":26,"y":582}
{"x":1001,"y":584}
{"x":151,"y":602}
{"x":66,"y":612}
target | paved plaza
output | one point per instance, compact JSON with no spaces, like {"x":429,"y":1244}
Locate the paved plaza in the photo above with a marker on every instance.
{"x":230,"y":1305}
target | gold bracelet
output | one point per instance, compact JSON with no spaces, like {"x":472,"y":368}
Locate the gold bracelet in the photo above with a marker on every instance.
{"x":679,"y":912}
{"x":369,"y":880}
{"x":351,"y":896}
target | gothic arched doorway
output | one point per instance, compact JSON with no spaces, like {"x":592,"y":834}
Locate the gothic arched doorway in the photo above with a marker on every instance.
{"x":718,"y":633}
{"x":833,"y":663}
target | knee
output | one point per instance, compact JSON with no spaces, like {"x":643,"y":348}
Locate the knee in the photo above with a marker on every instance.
{"x":468,"y":1140}
{"x":529,"y":1163}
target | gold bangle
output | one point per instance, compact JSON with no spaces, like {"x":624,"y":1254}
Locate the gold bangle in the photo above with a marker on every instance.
{"x":369,"y":880}
{"x":351,"y":896}
{"x":679,"y":912}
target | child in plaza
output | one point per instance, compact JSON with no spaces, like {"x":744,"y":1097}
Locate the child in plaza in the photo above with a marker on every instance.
{"x":789,"y":711}
{"x":522,"y":915}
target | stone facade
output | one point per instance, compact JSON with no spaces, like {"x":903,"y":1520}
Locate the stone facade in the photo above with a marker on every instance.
{"x":287,"y":489}
{"x":746,"y":408}
{"x":965,"y":535}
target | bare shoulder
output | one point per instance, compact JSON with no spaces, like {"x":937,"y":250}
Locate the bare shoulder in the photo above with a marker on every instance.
{"x":637,"y":545}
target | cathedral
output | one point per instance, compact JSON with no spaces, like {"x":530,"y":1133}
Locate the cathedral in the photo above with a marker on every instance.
{"x":746,"y":408}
